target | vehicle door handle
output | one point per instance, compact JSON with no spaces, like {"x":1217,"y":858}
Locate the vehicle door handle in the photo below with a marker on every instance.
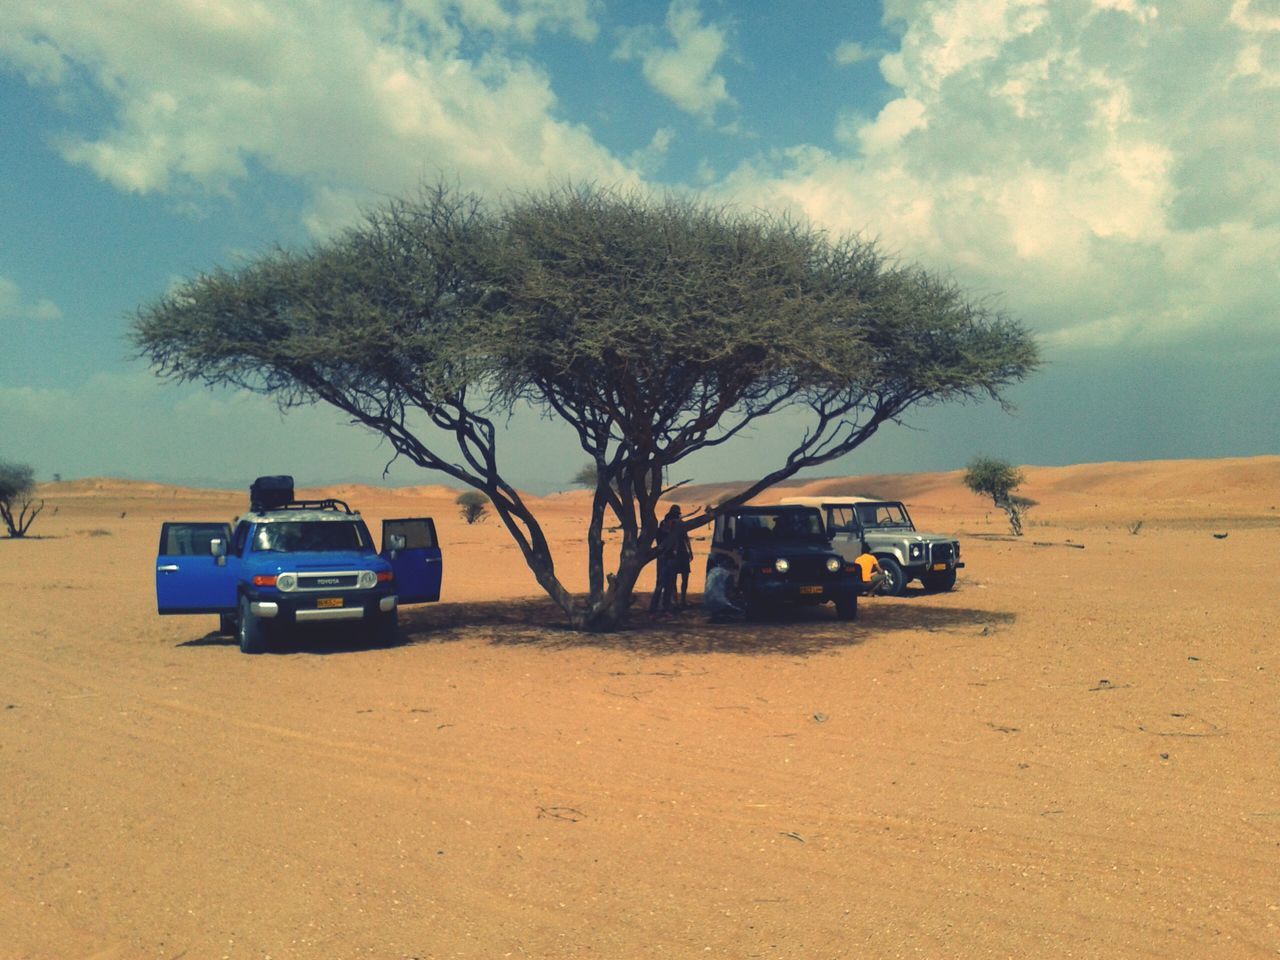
{"x":168,"y":568}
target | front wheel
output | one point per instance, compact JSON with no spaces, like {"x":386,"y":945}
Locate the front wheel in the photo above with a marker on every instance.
{"x":939,"y":582}
{"x":252,"y":631}
{"x":754,"y":606}
{"x":386,"y":629}
{"x":895,"y":581}
{"x":847,"y":607}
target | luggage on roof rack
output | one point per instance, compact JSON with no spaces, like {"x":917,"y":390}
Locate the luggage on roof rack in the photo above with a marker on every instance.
{"x":271,"y":493}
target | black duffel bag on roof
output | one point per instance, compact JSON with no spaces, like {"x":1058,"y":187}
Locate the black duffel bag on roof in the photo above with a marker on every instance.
{"x":271,"y":493}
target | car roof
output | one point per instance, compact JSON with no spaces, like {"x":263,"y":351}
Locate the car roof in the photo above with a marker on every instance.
{"x":770,"y":508}
{"x":834,"y":500}
{"x":282,"y":516}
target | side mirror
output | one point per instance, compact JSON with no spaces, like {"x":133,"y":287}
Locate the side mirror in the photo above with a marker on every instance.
{"x":218,"y":550}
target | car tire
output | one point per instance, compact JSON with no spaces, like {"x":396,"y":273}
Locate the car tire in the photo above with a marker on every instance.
{"x":252,"y":632}
{"x":754,"y":606}
{"x":895,"y":580}
{"x":386,"y":629}
{"x":939,"y":582}
{"x":227,"y":624}
{"x":847,"y":607}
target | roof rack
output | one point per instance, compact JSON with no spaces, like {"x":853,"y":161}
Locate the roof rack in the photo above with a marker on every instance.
{"x":329,"y":503}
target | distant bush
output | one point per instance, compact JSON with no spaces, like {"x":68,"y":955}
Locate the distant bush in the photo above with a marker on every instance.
{"x":17,"y":507}
{"x":997,"y":479}
{"x":473,"y":506}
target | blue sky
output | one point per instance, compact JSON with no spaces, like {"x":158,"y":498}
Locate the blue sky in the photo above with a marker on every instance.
{"x":1108,"y":170}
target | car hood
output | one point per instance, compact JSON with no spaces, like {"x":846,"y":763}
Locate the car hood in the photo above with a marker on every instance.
{"x":770,"y":551}
{"x":328,"y":560}
{"x":914,"y":536}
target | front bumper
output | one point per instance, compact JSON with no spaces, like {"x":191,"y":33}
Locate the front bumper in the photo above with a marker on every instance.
{"x":776,"y":590}
{"x":307,"y":610}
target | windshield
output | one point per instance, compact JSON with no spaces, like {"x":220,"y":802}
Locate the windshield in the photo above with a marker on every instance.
{"x":883,"y":515}
{"x":785,"y":525}
{"x":294,"y":536}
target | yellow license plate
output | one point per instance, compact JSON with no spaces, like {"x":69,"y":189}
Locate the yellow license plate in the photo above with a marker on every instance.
{"x":810,"y":589}
{"x":325,"y":602}
{"x":939,"y":566}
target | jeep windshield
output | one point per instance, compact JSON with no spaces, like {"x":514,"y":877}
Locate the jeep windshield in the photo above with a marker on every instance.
{"x":294,"y":536}
{"x":883,"y":516}
{"x":785,"y":526}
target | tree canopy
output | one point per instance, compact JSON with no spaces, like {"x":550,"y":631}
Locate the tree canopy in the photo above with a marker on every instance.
{"x":997,"y":479}
{"x":18,"y":509}
{"x":656,"y":327}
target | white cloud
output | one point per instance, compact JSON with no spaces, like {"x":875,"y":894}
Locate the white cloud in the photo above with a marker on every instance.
{"x":1112,"y":167}
{"x":447,"y":20}
{"x":897,"y":119}
{"x":14,"y":306}
{"x":650,"y":158}
{"x":355,"y":98}
{"x":684,"y":73}
{"x":851,"y":52}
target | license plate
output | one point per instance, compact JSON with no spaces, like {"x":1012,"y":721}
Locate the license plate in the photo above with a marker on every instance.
{"x":325,"y":602}
{"x":939,"y":566}
{"x":810,"y":589}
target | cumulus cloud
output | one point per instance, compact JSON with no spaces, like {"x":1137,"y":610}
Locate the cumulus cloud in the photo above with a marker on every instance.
{"x":683,"y":71}
{"x":448,"y":20}
{"x":14,"y":306}
{"x":352,"y":98}
{"x":1111,"y":165}
{"x":851,"y":52}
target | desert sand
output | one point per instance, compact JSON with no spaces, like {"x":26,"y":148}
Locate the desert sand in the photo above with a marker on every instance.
{"x":1074,"y":754}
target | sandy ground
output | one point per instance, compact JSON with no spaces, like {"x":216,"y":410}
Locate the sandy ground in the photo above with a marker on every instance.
{"x":1074,"y":754}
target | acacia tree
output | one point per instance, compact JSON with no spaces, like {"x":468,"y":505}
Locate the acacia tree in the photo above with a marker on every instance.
{"x":18,"y":509}
{"x":657,"y":327}
{"x":997,"y":479}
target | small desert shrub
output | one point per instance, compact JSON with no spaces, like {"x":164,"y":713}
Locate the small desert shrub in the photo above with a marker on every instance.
{"x":473,"y":506}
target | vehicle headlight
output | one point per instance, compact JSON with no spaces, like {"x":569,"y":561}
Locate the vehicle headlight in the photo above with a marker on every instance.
{"x":833,"y":565}
{"x":782,"y":564}
{"x":286,"y":582}
{"x":367,"y":580}
{"x":917,"y":550}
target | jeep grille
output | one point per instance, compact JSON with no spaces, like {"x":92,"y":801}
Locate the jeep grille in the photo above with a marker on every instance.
{"x":327,"y":581}
{"x":809,"y":568}
{"x":942,"y":553}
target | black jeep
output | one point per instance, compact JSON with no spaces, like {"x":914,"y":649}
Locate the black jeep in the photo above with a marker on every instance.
{"x":777,"y":556}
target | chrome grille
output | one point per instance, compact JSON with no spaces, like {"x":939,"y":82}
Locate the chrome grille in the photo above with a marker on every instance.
{"x":327,"y":581}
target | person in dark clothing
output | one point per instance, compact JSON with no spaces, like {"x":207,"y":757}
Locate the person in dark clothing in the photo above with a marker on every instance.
{"x":681,"y":554}
{"x":674,"y":556}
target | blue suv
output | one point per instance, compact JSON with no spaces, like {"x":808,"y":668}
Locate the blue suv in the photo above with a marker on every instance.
{"x":292,"y":562}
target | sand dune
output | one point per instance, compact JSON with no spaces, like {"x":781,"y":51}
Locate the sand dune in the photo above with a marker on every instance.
{"x":1072,"y":754}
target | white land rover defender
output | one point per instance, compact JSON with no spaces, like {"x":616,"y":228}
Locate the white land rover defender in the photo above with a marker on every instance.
{"x":884,"y":529}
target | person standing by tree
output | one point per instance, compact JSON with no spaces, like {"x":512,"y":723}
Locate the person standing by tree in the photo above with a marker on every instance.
{"x":681,"y":555}
{"x":674,"y":556}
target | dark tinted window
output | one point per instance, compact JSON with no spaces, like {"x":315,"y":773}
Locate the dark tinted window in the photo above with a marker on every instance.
{"x":784,"y":525}
{"x":293,"y":536}
{"x":883,"y":515}
{"x":418,"y":534}
{"x":841,"y":520}
{"x":187,"y":539}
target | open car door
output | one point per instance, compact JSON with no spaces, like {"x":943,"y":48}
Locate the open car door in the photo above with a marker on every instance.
{"x":190,"y":578}
{"x":415,"y":558}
